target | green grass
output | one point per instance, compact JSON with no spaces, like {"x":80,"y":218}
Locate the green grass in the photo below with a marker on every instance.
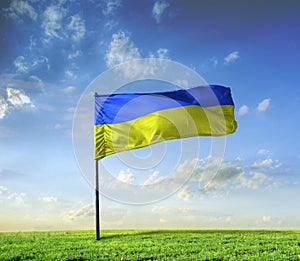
{"x":151,"y":245}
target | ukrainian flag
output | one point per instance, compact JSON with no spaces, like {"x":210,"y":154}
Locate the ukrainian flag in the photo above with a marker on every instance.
{"x":135,"y":120}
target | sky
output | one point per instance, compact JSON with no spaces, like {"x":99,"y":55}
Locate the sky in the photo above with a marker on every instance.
{"x":51,"y":51}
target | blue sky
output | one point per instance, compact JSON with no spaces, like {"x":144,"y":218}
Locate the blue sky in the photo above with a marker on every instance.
{"x":52,"y":50}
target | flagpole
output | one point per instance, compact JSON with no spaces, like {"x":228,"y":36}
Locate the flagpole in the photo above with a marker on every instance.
{"x":97,"y":196}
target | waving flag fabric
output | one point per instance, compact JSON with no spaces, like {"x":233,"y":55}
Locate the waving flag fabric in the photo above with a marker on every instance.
{"x":135,"y":120}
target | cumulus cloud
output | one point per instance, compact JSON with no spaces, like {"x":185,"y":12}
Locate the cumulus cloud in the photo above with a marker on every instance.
{"x":83,"y":212}
{"x":52,"y":22}
{"x":110,"y":6}
{"x":185,"y":193}
{"x":264,"y":105}
{"x":76,"y":27}
{"x":217,"y":175}
{"x":158,"y":9}
{"x":18,"y":98}
{"x":243,"y":110}
{"x":3,"y":107}
{"x":19,"y":9}
{"x":126,"y":176}
{"x":231,"y":58}
{"x":121,"y":49}
{"x":266,"y":163}
{"x":153,"y":178}
{"x":254,"y":181}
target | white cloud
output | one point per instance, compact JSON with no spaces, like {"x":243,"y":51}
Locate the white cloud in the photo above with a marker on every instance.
{"x":254,"y":181}
{"x":243,"y":110}
{"x":21,"y":65}
{"x":48,"y":199}
{"x":42,"y":60}
{"x":74,"y":54}
{"x":9,"y":196}
{"x":266,"y":218}
{"x":162,"y":53}
{"x":182,"y":83}
{"x":266,"y":163}
{"x":273,"y":185}
{"x":264,"y":152}
{"x":110,"y":24}
{"x":229,"y":176}
{"x":83,"y":212}
{"x":158,"y":9}
{"x":18,"y":98}
{"x":18,"y":9}
{"x":24,"y":66}
{"x":185,"y":193}
{"x":121,"y":49}
{"x":264,"y":105}
{"x":77,"y":28}
{"x":3,"y":107}
{"x":53,"y":16}
{"x":159,"y":210}
{"x":69,"y":74}
{"x":126,"y":176}
{"x":230,"y":58}
{"x":153,"y":178}
{"x":32,"y":43}
{"x":213,"y":173}
{"x":68,"y":89}
{"x":110,"y":6}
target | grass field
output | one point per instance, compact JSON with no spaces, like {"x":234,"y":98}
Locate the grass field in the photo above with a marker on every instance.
{"x":152,"y":245}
